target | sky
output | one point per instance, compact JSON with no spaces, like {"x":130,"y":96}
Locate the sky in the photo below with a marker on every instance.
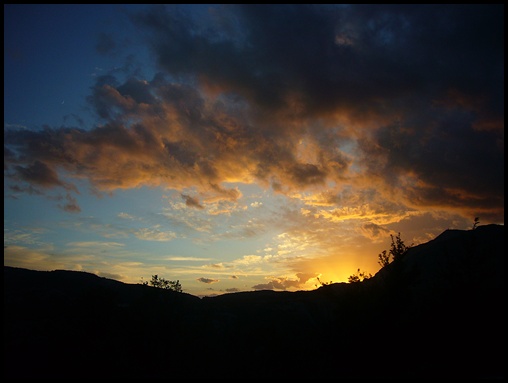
{"x":246,"y":147}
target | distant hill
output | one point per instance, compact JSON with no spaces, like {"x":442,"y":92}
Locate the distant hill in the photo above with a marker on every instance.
{"x":436,"y":313}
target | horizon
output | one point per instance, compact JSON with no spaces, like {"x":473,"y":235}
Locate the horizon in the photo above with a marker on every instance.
{"x":233,"y":292}
{"x":240,"y":148}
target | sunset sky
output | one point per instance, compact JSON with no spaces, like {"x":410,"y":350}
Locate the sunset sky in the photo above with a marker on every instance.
{"x":246,"y":147}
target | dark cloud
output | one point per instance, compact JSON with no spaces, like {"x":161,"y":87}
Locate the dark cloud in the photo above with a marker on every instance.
{"x":71,"y":206}
{"x":304,"y":174}
{"x":38,"y":173}
{"x":289,"y":51}
{"x":373,"y":231}
{"x":192,"y":202}
{"x":226,"y":194}
{"x":29,"y":189}
{"x":138,"y":90}
{"x":207,"y":280}
{"x":403,"y":103}
{"x":448,"y":163}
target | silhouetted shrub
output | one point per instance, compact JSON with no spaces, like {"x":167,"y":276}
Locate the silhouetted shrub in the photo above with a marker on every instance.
{"x":360,"y":277}
{"x":323,"y":283}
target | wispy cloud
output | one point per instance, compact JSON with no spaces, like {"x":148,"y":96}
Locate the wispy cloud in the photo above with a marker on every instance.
{"x":154,"y":234}
{"x":95,"y":244}
{"x":125,"y":216}
{"x":185,"y":259}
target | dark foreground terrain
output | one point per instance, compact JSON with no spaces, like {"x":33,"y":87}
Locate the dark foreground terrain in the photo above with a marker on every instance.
{"x":436,"y":313}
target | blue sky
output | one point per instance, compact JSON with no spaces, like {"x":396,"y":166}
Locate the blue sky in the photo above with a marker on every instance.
{"x":238,"y":147}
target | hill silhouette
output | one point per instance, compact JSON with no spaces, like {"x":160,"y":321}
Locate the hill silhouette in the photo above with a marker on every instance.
{"x":438,"y":312}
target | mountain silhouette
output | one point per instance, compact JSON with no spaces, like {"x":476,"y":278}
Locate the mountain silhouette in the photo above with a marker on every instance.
{"x":437,"y":312}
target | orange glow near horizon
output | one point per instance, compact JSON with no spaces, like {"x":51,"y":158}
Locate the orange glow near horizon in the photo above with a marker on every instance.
{"x":213,"y":153}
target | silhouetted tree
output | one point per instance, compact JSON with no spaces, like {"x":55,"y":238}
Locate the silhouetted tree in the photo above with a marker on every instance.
{"x":476,"y":222}
{"x":384,"y":259}
{"x":162,"y":283}
{"x":397,"y":249}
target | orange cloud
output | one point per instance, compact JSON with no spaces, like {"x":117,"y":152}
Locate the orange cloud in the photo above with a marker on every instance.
{"x":342,"y":120}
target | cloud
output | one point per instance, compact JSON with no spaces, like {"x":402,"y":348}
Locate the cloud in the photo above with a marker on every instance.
{"x":374,"y":232}
{"x":207,"y":280}
{"x":39,"y":173}
{"x":20,"y":256}
{"x":192,"y":202}
{"x":193,"y":259}
{"x":217,"y":265}
{"x":125,"y":216}
{"x":331,"y":103}
{"x":71,"y":206}
{"x":113,"y":276}
{"x":154,"y":234}
{"x":95,"y":244}
{"x":284,"y":283}
{"x":389,"y":54}
{"x":29,"y":189}
{"x":27,"y":236}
